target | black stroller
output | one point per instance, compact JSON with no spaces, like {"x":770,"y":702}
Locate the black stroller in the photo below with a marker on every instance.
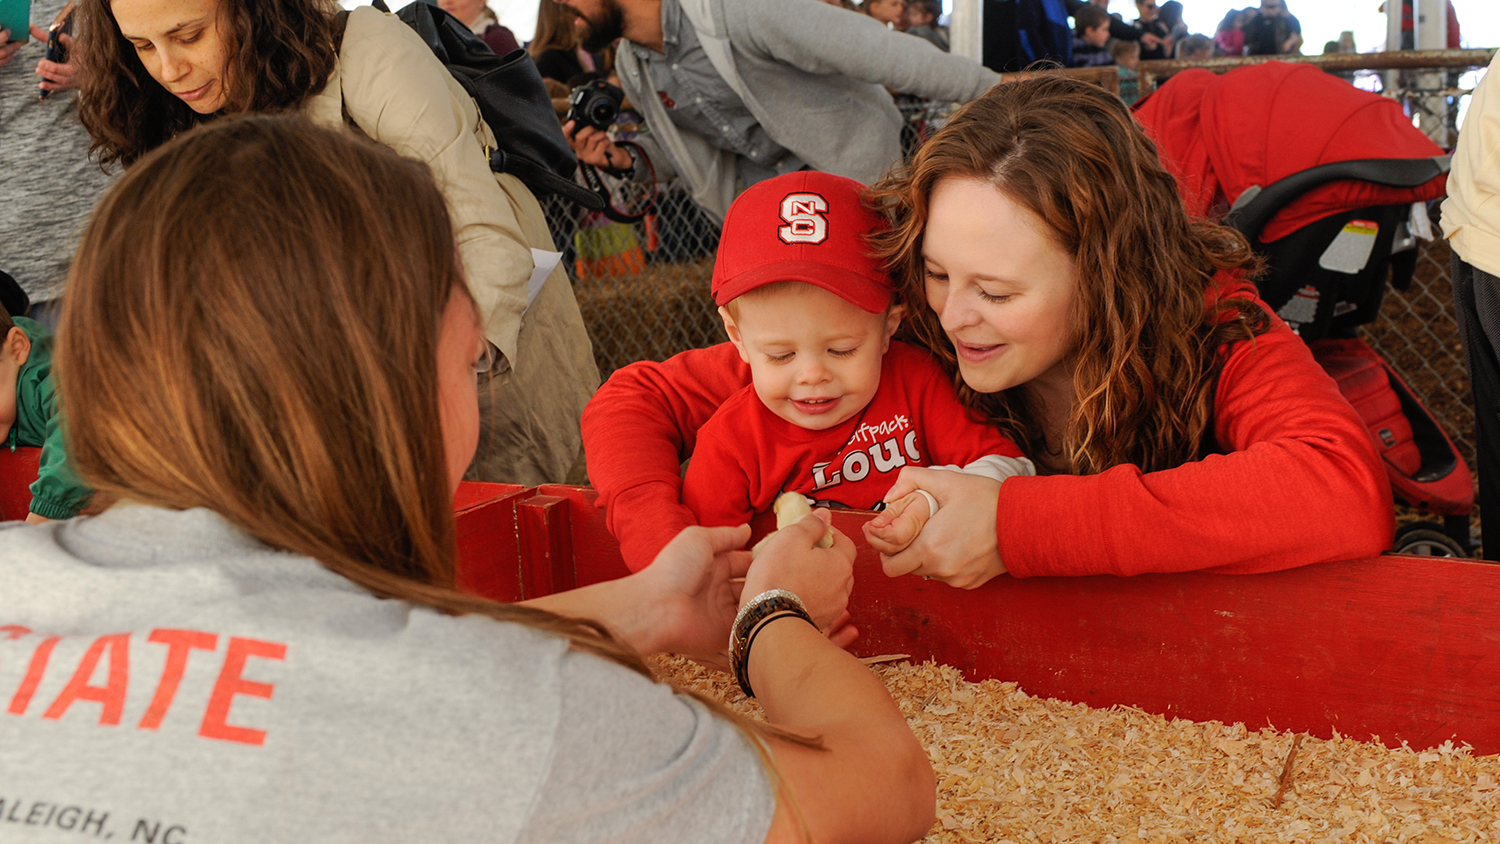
{"x":1330,"y":184}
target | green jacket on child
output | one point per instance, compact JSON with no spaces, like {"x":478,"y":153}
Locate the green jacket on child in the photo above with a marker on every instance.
{"x":57,"y":492}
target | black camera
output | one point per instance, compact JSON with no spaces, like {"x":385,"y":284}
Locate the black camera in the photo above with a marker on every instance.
{"x":594,"y":104}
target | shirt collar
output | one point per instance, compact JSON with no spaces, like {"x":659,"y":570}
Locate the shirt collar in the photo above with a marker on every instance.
{"x":671,"y":23}
{"x":485,"y":20}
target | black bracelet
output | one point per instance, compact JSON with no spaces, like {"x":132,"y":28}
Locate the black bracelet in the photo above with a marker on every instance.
{"x":753,"y":617}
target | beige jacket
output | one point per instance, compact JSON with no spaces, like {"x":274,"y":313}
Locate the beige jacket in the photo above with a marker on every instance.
{"x":1471,"y":214}
{"x":391,"y":87}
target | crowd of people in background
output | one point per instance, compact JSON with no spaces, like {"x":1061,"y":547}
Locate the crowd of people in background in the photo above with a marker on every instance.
{"x":914,"y":17}
{"x":1099,"y":37}
{"x":1158,"y":29}
{"x":1159,"y":32}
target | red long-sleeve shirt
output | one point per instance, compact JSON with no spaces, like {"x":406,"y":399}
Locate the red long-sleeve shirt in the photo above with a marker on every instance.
{"x":746,"y":455}
{"x":1299,"y":481}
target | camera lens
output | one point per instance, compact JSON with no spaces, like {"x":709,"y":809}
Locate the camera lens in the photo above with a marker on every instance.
{"x":602,"y":112}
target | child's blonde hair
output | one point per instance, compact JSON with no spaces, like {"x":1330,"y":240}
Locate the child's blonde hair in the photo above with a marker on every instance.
{"x":1119,"y":50}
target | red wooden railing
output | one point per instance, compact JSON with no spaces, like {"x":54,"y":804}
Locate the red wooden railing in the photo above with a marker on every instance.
{"x":1406,"y":649}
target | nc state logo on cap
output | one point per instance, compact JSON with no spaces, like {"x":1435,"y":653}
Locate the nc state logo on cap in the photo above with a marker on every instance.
{"x":805,"y":218}
{"x":805,"y":226}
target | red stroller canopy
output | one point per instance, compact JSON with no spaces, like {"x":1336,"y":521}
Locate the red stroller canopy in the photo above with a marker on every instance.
{"x":1257,"y":124}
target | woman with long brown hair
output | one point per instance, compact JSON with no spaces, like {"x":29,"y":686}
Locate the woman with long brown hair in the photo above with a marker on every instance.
{"x":275,"y":379}
{"x":150,"y":70}
{"x":1175,"y":423}
{"x":556,"y":46}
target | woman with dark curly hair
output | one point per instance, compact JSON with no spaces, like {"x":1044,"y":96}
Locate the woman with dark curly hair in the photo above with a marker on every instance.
{"x":1175,"y":423}
{"x":153,"y":69}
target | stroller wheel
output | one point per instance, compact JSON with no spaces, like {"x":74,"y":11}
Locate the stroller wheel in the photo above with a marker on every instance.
{"x":1426,"y":539}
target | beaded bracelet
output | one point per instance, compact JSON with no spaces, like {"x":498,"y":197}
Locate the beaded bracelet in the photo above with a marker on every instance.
{"x":753,"y":617}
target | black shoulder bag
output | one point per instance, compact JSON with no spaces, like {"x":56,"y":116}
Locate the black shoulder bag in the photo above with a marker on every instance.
{"x":512,"y":99}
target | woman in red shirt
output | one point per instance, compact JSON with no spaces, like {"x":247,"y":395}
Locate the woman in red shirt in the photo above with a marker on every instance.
{"x":1177,"y":423}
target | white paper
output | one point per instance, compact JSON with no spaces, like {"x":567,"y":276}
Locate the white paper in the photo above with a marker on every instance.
{"x":545,"y":262}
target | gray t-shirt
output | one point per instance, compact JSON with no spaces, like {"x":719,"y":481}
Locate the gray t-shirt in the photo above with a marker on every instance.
{"x":48,"y":184}
{"x":166,"y":677}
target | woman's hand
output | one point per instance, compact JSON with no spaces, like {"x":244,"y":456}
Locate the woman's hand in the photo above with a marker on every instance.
{"x":686,"y":600}
{"x":56,"y":76}
{"x":683,"y":603}
{"x":808,"y":687}
{"x":958,"y":545}
{"x":822,"y":577}
{"x":8,"y":48}
{"x":694,"y":590}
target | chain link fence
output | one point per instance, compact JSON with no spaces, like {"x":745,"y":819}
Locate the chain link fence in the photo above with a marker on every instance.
{"x":643,"y":288}
{"x":1417,"y":332}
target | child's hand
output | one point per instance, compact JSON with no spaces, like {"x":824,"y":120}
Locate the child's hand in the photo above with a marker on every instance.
{"x":897,"y":527}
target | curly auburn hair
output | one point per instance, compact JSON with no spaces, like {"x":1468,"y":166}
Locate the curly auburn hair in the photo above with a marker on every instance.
{"x":280,"y":54}
{"x":1151,"y":326}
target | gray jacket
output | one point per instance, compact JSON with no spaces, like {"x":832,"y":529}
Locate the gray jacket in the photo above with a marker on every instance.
{"x":815,"y":76}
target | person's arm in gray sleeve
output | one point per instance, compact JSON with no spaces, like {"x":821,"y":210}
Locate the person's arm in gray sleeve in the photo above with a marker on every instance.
{"x":660,"y":163}
{"x":824,"y":39}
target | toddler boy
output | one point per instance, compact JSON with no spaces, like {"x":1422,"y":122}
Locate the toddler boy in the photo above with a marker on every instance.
{"x":835,"y":407}
{"x":1127,"y":55}
{"x":28,"y":417}
{"x":1091,"y":37}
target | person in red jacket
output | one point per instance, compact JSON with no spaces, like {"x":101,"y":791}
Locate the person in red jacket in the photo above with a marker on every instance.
{"x":1176,"y":424}
{"x":834,"y":409}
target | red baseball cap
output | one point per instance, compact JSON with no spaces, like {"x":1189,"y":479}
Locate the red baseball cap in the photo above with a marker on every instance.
{"x":804,"y":226}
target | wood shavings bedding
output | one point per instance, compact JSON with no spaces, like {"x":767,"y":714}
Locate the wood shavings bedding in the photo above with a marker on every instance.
{"x":1016,"y":768}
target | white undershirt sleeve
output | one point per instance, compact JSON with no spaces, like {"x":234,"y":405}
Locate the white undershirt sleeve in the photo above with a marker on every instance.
{"x":993,"y":466}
